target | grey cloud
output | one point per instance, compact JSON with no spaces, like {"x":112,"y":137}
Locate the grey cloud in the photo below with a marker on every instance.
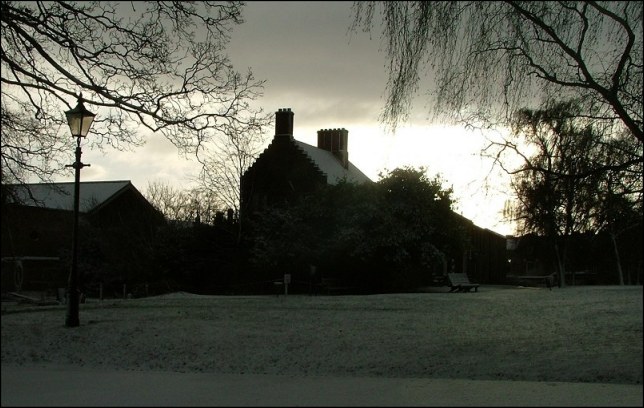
{"x":304,"y":51}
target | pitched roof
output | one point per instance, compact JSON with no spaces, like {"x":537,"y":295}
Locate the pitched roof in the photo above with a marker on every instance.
{"x":331,"y":166}
{"x":92,"y":194}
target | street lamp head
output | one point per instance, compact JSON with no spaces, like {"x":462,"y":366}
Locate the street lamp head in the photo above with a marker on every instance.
{"x":79,"y":119}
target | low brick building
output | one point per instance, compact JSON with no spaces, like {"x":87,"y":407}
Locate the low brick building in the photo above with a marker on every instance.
{"x":37,"y":224}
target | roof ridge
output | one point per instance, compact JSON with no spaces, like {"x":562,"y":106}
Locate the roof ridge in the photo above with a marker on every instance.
{"x":59,"y":195}
{"x":70,"y":182}
{"x":308,"y":157}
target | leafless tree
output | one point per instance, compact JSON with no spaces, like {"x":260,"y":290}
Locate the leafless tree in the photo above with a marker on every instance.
{"x":141,"y":66}
{"x":183,"y":205}
{"x":490,"y":59}
{"x":226,"y":162}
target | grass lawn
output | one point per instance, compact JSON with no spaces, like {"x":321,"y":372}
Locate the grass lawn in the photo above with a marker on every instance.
{"x":577,"y":334}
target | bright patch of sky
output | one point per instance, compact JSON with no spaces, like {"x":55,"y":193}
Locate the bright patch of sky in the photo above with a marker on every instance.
{"x":330,"y":78}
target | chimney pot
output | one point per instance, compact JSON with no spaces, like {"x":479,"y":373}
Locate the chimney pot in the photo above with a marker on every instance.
{"x":336,"y":141}
{"x":284,"y":122}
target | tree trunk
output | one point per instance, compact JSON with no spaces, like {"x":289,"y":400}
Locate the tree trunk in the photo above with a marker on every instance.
{"x":613,"y":238}
{"x":560,"y":267}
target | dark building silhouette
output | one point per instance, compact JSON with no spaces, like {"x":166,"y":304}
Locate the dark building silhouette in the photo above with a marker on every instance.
{"x":117,"y":224}
{"x":288,"y":168}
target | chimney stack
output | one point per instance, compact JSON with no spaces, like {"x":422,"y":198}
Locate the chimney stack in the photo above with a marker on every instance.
{"x":284,"y":122}
{"x":335,"y":141}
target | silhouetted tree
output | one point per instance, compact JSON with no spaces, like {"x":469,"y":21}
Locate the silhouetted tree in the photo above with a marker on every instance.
{"x":559,"y":189}
{"x":617,"y":213}
{"x":420,"y":233}
{"x":157,"y":66}
{"x":383,"y":236}
{"x":492,"y":58}
{"x":183,"y":205}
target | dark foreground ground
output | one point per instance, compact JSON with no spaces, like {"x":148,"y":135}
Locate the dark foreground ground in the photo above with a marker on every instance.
{"x":73,"y":386}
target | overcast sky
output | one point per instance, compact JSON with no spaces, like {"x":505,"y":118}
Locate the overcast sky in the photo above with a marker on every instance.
{"x":330,"y":78}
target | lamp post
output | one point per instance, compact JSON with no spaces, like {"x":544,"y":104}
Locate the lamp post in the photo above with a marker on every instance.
{"x":79,"y":120}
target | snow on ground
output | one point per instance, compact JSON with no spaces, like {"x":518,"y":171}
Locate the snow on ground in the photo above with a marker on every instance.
{"x":574,"y":334}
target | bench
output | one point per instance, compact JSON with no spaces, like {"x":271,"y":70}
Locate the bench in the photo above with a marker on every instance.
{"x":548,"y":280}
{"x":459,"y":282}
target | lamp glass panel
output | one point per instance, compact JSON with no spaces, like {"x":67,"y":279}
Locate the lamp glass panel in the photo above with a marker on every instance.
{"x":74,"y":122}
{"x":86,"y":123}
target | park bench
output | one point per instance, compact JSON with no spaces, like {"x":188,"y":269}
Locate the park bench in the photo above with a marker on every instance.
{"x":548,"y":280}
{"x":459,"y":282}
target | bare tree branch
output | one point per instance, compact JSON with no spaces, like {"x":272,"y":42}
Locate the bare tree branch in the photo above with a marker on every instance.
{"x":490,"y":59}
{"x":159,"y":66}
